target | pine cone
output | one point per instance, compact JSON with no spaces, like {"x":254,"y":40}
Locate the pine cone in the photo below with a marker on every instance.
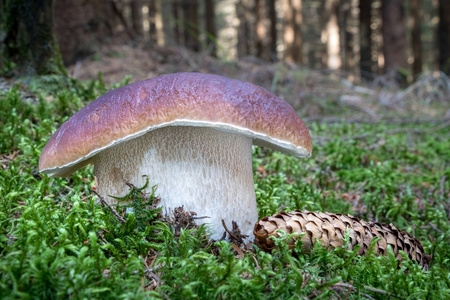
{"x":330,"y":228}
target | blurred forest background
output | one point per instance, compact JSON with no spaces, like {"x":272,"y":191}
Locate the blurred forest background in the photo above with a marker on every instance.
{"x":385,"y":43}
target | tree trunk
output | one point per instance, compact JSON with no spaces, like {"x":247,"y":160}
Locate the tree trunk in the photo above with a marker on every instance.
{"x":136,"y":17}
{"x":394,"y":35}
{"x":416,"y":33}
{"x":152,"y":21}
{"x":164,"y":32}
{"x":177,"y":22}
{"x":350,"y":26}
{"x":29,"y":40}
{"x":444,"y":36}
{"x":366,"y":62}
{"x":191,"y":25}
{"x":273,"y":30}
{"x":82,"y":26}
{"x":210,"y":27}
{"x":293,"y":31}
{"x":244,"y":37}
{"x":160,"y":36}
{"x":166,"y":11}
{"x":261,"y":34}
{"x":330,"y":34}
{"x":118,"y":10}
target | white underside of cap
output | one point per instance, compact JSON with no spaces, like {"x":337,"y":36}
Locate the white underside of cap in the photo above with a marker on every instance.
{"x":259,"y":139}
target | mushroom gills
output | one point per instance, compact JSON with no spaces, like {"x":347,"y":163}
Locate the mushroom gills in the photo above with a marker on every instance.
{"x":206,"y":170}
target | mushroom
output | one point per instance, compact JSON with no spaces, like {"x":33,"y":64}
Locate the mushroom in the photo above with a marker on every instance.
{"x":190,"y":133}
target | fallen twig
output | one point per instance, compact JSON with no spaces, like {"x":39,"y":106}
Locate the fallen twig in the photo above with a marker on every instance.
{"x":375,"y":290}
{"x":150,"y":274}
{"x":256,"y":263}
{"x":436,"y":228}
{"x":199,"y":218}
{"x":353,"y":289}
{"x":114,"y":212}
{"x":238,"y":250}
{"x":230,"y":233}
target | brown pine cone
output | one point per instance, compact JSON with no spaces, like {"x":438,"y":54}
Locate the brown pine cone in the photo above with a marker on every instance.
{"x":330,"y":228}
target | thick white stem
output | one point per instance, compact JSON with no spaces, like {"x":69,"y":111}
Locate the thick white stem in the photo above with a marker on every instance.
{"x":205,"y":170}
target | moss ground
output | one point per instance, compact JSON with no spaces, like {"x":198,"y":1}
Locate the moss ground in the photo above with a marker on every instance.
{"x":56,"y":242}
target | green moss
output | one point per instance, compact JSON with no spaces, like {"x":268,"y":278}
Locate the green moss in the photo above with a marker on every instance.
{"x":57,"y":242}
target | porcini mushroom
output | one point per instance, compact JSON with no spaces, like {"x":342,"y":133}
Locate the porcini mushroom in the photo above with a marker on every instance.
{"x":190,"y":133}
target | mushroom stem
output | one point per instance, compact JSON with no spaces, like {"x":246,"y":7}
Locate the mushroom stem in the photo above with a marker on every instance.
{"x":205,"y":170}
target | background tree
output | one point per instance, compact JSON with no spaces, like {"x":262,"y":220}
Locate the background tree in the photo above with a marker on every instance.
{"x":119,"y":10}
{"x":191,"y":24}
{"x":293,"y":30}
{"x":243,"y":14}
{"x":136,"y":17}
{"x":82,"y":27}
{"x":152,"y":21}
{"x":29,"y":40}
{"x":161,"y":30}
{"x":444,"y":36}
{"x":177,"y":24}
{"x":349,"y":25}
{"x":394,"y":35}
{"x":165,"y":10}
{"x":210,"y":27}
{"x":330,"y":33}
{"x":366,"y":62}
{"x":162,"y":22}
{"x":416,"y":33}
{"x":261,"y":32}
{"x":273,"y":29}
{"x":360,"y":37}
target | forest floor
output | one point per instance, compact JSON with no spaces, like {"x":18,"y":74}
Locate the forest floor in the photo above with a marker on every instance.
{"x":381,"y":153}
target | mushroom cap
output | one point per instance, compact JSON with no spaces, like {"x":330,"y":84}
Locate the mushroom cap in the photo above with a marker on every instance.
{"x":181,"y":99}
